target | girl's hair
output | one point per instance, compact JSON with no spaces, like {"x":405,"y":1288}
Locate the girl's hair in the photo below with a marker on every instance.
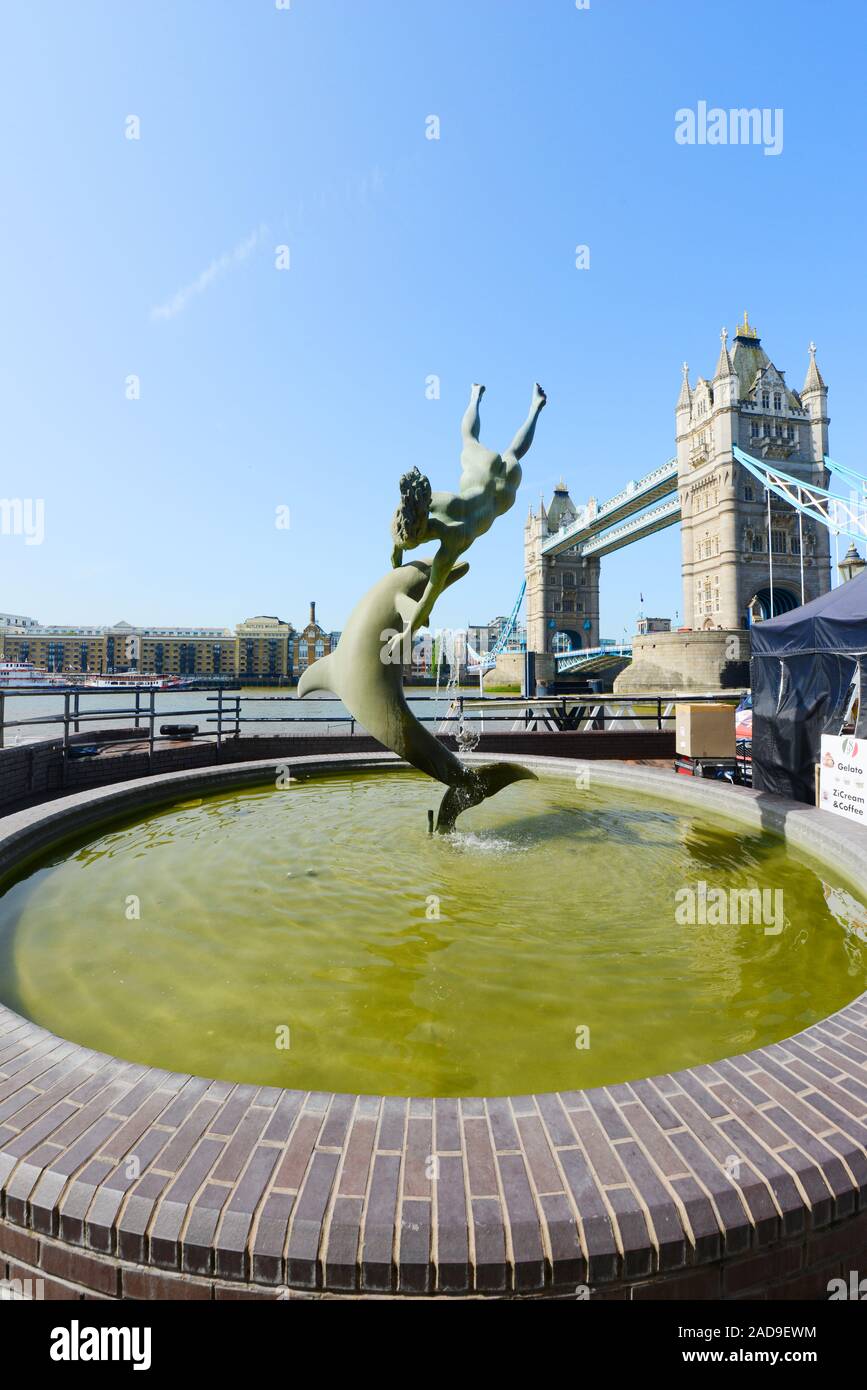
{"x":409,"y":523}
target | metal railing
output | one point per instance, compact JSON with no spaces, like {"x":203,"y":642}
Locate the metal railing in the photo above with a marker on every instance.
{"x":226,"y":711}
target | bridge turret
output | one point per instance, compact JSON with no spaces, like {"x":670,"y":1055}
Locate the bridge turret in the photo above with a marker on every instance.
{"x":815,"y":401}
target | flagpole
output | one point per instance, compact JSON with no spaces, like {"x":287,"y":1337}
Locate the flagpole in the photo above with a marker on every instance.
{"x":770,"y":551}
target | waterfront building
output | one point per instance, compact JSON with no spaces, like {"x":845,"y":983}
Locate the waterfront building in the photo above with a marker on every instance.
{"x":423,"y":648}
{"x":183,"y":651}
{"x":261,"y":648}
{"x":8,"y":620}
{"x":482,"y":637}
{"x":55,"y":648}
{"x":311,"y":643}
{"x":479,"y":637}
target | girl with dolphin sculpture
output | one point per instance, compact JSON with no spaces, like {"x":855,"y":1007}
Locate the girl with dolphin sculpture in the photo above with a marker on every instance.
{"x":368,"y":676}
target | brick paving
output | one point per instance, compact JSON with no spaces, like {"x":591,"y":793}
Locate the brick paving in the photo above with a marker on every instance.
{"x":745,"y":1175}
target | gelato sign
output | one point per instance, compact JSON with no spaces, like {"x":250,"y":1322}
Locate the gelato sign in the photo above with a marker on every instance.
{"x":843,"y":777}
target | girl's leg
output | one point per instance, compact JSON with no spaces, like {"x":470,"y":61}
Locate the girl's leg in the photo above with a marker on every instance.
{"x":475,"y":458}
{"x":524,"y":438}
{"x":471,"y":422}
{"x":441,"y":568}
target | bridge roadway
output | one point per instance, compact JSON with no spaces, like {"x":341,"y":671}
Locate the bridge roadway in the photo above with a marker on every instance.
{"x":592,"y":660}
{"x":599,"y":533}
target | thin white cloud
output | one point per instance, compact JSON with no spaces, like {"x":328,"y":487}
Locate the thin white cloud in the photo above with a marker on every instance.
{"x":214,"y":272}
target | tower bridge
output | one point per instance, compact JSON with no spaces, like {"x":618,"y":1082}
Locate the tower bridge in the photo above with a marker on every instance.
{"x":745,"y":552}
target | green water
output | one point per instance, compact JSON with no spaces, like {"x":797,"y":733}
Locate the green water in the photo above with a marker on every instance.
{"x":200,"y":937}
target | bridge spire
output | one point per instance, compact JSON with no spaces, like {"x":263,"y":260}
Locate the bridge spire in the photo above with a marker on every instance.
{"x":685,"y":397}
{"x":814,"y":380}
{"x":724,"y":364}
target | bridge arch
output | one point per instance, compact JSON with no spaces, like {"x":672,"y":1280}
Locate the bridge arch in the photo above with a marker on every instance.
{"x":566,"y":640}
{"x":760,"y":607}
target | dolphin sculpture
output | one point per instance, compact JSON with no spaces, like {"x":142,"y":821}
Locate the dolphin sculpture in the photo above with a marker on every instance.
{"x":364,"y":672}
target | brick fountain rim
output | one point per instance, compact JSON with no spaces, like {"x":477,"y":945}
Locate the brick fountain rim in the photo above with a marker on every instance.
{"x":623,"y":1192}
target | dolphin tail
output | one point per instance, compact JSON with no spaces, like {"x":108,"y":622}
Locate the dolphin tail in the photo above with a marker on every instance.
{"x":482,"y":783}
{"x":319,"y":676}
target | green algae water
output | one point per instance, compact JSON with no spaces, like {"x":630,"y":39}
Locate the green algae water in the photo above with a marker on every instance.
{"x":318,"y":937}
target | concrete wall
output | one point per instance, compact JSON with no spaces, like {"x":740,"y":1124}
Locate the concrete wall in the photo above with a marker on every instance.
{"x":509,"y":670}
{"x":684,"y":661}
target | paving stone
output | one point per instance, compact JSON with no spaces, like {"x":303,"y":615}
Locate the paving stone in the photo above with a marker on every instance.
{"x":302,"y":1254}
{"x":414,"y":1250}
{"x":344,"y":1239}
{"x":523,"y":1220}
{"x":380,"y":1217}
{"x":452,"y":1235}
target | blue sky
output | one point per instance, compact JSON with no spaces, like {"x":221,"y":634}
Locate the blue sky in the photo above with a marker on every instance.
{"x":305,"y":388}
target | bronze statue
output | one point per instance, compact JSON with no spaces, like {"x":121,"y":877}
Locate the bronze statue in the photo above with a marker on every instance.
{"x":366,"y":669}
{"x":488,"y":487}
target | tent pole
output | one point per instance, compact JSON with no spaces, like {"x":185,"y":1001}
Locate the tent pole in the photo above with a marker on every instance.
{"x":801,"y":548}
{"x":770,"y":552}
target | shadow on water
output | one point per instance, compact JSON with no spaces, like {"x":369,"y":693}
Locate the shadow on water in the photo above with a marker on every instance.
{"x":728,"y":851}
{"x":619,"y":824}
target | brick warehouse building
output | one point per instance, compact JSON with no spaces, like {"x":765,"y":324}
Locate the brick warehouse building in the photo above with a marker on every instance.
{"x":258,"y":648}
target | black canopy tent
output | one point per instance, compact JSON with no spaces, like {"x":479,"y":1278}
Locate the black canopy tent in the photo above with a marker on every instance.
{"x":804,"y":667}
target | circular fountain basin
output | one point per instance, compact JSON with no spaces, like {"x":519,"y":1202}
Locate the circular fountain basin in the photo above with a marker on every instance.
{"x":316,"y":936}
{"x":734,"y":1176}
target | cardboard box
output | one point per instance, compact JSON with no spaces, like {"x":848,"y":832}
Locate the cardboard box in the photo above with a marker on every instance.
{"x":705,"y":731}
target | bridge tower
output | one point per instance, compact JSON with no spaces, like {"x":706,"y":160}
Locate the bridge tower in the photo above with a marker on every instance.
{"x":563,"y":589}
{"x":724,"y":527}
